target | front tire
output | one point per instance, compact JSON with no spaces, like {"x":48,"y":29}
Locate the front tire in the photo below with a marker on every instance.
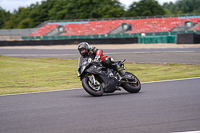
{"x":91,"y":89}
{"x":132,"y":87}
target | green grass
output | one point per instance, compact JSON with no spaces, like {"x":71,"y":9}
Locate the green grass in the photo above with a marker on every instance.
{"x":22,"y":75}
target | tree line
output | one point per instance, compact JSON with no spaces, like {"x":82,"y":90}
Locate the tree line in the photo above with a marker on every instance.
{"x":35,"y":14}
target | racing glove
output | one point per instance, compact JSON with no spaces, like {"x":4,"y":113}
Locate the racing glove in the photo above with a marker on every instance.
{"x":97,"y":58}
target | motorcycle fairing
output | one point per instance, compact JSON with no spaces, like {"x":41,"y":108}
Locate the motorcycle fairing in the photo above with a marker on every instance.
{"x":107,"y":83}
{"x":95,"y":70}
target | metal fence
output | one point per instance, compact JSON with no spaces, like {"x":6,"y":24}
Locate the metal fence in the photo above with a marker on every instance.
{"x":15,"y":34}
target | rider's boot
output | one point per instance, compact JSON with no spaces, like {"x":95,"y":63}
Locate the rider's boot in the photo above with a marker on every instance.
{"x":123,"y":74}
{"x":119,"y":70}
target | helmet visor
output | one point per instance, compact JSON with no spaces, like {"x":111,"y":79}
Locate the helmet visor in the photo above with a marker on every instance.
{"x":82,"y":51}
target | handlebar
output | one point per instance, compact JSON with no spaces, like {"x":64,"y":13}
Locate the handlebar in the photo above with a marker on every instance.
{"x":121,"y":62}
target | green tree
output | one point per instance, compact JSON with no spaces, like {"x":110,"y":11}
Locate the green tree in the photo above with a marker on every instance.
{"x":16,"y":18}
{"x":170,"y":6}
{"x":28,"y":22}
{"x":4,"y":17}
{"x":37,"y":13}
{"x":58,"y":11}
{"x":145,"y":8}
{"x":84,"y":9}
{"x":183,"y":6}
{"x":167,"y":12}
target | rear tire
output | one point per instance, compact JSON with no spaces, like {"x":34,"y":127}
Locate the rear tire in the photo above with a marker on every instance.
{"x":132,"y":87}
{"x":95,"y":91}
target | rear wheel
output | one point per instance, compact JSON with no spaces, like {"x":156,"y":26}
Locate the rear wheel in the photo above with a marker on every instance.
{"x":94,"y":89}
{"x":132,"y":86}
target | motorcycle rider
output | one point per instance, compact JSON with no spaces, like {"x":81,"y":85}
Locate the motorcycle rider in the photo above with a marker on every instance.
{"x":97,"y":54}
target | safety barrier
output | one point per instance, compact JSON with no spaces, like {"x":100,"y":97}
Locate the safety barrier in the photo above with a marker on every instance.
{"x":69,"y":41}
{"x":121,"y":35}
{"x":126,"y":35}
{"x":157,"y":39}
{"x":188,"y":38}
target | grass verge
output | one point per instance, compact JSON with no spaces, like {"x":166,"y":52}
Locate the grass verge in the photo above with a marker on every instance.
{"x":22,"y":75}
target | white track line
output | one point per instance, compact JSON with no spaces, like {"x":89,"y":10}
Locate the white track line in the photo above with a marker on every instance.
{"x":38,"y":54}
{"x":40,"y":92}
{"x":104,"y":53}
{"x":188,"y":132}
{"x":81,"y":88}
{"x":170,"y":80}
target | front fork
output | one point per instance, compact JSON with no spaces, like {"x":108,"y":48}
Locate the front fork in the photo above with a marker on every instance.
{"x":93,"y":80}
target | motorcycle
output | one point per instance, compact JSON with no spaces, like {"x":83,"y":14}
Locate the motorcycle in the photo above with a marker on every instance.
{"x":98,"y":79}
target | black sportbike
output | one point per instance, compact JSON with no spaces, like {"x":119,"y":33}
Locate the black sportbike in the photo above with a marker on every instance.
{"x":98,"y":79}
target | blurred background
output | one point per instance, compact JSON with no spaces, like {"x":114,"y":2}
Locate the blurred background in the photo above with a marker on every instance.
{"x":78,"y":19}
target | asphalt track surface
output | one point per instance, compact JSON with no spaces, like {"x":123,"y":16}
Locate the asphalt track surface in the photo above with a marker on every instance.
{"x":160,"y":107}
{"x":157,"y":55}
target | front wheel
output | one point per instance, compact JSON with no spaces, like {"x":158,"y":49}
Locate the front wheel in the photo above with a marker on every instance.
{"x":132,"y":86}
{"x":91,"y":88}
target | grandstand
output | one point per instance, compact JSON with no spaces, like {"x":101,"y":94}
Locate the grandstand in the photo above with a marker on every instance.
{"x":44,"y":30}
{"x":145,"y":25}
{"x":113,"y":28}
